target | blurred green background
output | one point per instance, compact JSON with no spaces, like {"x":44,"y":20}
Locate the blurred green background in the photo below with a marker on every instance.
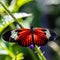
{"x":41,"y":13}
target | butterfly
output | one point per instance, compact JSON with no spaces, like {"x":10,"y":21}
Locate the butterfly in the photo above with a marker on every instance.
{"x":25,"y":37}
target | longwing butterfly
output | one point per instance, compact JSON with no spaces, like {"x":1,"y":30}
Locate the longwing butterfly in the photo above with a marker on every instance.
{"x":25,"y":37}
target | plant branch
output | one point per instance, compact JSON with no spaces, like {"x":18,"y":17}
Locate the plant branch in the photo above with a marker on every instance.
{"x":10,"y":14}
{"x":39,"y":53}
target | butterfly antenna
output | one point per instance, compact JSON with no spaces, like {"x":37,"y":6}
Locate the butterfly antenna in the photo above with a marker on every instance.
{"x":31,"y":27}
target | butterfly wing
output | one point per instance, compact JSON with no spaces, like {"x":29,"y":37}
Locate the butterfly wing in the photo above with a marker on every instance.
{"x":21,"y":36}
{"x":43,"y":35}
{"x":7,"y":36}
{"x":53,"y":35}
{"x":40,"y":37}
{"x":24,"y":37}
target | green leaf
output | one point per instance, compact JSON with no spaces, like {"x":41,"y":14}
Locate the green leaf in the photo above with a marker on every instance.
{"x":1,"y":8}
{"x":19,"y":56}
{"x":7,"y":19}
{"x":22,"y":2}
{"x":3,"y":52}
{"x":16,"y":4}
{"x":10,"y":53}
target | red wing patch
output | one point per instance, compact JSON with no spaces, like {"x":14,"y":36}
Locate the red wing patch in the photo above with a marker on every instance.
{"x":24,"y":36}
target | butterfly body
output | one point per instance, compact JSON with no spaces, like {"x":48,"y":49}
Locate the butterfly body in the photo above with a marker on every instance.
{"x":26,"y":37}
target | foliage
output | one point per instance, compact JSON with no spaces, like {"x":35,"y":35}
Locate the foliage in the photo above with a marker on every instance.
{"x":7,"y":20}
{"x":23,"y":12}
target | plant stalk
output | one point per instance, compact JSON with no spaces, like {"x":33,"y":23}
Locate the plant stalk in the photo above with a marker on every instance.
{"x":39,"y":53}
{"x":10,"y":14}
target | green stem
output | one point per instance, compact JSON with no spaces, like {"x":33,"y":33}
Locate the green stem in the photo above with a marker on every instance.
{"x":39,"y":53}
{"x":10,"y":14}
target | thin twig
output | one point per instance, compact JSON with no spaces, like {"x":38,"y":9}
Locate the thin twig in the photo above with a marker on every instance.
{"x":10,"y":14}
{"x":39,"y":53}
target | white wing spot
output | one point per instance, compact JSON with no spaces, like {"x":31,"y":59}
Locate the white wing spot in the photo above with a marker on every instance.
{"x":48,"y":33}
{"x":14,"y":34}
